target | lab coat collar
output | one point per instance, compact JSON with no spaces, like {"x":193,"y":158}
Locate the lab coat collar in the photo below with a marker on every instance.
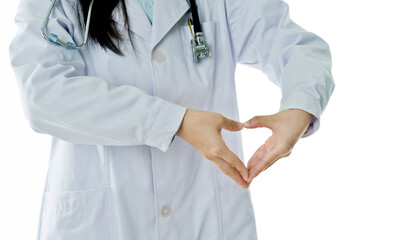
{"x":166,"y":13}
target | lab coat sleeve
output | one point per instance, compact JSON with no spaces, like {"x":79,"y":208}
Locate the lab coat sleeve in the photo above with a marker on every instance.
{"x":263,"y":36}
{"x":59,"y":100}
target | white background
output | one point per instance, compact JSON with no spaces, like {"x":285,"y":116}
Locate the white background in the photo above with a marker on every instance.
{"x":347,"y":181}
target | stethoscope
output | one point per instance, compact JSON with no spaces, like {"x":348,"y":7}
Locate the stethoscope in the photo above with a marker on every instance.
{"x":53,"y":38}
{"x":199,"y":46}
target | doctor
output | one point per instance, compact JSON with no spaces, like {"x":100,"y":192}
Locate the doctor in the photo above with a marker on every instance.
{"x":146,"y":142}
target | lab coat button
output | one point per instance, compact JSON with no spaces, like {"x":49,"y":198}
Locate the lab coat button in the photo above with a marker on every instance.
{"x":159,"y":57}
{"x":165,"y":211}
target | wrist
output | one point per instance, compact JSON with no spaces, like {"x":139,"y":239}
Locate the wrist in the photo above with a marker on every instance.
{"x":180,"y":131}
{"x":308,"y":117}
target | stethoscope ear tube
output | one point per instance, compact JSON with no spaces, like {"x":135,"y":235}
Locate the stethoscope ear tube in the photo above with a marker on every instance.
{"x":53,"y":38}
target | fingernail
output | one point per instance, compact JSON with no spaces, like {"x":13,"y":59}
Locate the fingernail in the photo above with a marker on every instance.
{"x":246,"y":124}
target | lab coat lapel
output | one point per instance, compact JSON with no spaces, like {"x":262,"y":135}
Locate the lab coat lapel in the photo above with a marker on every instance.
{"x":166,"y":13}
{"x":138,"y":21}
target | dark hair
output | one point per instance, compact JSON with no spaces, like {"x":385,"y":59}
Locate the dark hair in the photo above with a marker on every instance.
{"x":102,"y":30}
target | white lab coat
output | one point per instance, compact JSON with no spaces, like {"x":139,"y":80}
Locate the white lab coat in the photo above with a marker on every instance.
{"x":115,"y":170}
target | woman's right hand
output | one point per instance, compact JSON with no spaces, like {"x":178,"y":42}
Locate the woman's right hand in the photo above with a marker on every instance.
{"x":202,"y":129}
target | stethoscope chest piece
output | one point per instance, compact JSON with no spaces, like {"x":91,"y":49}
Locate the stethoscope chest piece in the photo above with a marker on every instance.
{"x":199,"y":47}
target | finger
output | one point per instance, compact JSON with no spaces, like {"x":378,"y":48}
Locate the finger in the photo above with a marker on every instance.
{"x":232,"y":125}
{"x":234,"y":161}
{"x":267,"y":159}
{"x":249,"y":184}
{"x":257,"y":121}
{"x":228,"y":170}
{"x":256,"y":156}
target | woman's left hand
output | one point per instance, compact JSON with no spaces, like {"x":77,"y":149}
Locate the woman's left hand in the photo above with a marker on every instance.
{"x":287,"y":127}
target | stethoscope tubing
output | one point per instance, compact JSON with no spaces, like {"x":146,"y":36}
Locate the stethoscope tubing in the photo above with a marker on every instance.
{"x":59,"y":41}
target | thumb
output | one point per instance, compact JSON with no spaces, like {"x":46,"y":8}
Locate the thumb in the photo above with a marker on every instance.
{"x":257,"y":121}
{"x":232,"y":125}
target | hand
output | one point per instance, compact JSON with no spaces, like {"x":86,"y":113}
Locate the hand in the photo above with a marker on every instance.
{"x":202,"y":129}
{"x":287,"y":127}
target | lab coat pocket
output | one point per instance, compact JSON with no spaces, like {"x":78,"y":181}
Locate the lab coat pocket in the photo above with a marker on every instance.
{"x":201,"y":73}
{"x":76,"y":215}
